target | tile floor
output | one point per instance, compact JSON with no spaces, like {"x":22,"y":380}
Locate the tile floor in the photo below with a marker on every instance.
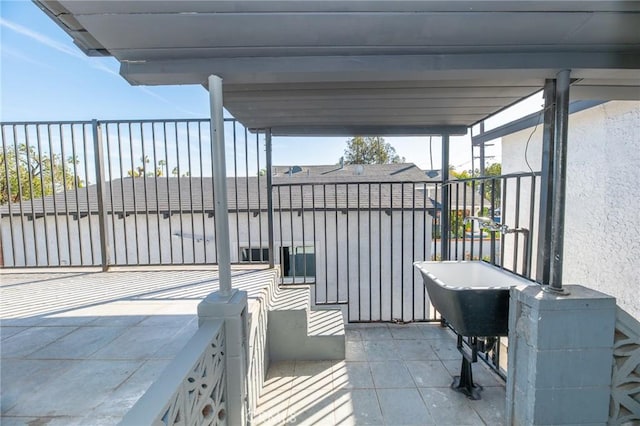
{"x":80,"y":348}
{"x":393,"y":375}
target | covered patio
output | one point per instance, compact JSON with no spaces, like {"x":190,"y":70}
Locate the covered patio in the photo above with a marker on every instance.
{"x":320,"y":68}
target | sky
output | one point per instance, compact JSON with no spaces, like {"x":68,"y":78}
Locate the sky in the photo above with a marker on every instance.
{"x":45,"y":77}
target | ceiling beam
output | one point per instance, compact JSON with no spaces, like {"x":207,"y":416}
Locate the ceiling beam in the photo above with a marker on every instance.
{"x":287,"y":6}
{"x":273,"y":70}
{"x":351,"y":130}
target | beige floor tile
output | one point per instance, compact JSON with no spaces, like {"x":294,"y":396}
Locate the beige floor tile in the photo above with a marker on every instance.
{"x":313,"y":375}
{"x":429,"y":373}
{"x":79,"y":344}
{"x":32,"y":340}
{"x":391,"y":374}
{"x":381,"y":350}
{"x":311,"y":407}
{"x":357,"y":407}
{"x":403,"y":407}
{"x":355,"y":351}
{"x":352,"y":375}
{"x":448,"y":407}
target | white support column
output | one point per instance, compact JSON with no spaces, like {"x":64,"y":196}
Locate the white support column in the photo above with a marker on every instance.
{"x":226,"y":304}
{"x":220,"y":186}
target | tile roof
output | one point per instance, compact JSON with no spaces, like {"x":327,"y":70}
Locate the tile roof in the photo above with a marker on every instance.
{"x":398,"y":172}
{"x":161,"y":194}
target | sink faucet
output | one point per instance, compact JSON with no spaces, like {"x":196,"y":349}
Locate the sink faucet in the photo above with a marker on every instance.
{"x":489,"y":225}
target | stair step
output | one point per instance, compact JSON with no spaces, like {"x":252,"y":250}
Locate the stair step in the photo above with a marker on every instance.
{"x":291,"y":299}
{"x":328,"y":322}
{"x":298,"y":333}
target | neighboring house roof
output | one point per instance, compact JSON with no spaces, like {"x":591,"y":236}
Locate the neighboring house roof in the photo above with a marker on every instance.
{"x":173,"y":194}
{"x":352,"y":186}
{"x":403,"y":172}
{"x":397,"y":172}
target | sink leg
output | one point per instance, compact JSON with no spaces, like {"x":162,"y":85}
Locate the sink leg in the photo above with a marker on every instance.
{"x":464,"y":382}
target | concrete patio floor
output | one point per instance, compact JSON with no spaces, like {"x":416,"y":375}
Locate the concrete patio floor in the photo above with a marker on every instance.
{"x":80,"y":347}
{"x":393,"y":375}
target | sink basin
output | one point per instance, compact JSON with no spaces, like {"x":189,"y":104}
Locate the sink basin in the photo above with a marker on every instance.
{"x":473,"y":296}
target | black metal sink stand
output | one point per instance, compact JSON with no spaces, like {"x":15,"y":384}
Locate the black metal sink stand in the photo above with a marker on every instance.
{"x":464,"y":382}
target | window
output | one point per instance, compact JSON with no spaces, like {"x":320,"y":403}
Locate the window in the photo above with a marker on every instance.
{"x":250,"y":255}
{"x":299,"y":263}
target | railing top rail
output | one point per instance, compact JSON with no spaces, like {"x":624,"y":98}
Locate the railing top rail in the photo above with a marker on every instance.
{"x":341,"y":181}
{"x":164,"y":120}
{"x":476,"y":178}
{"x":116,"y":121}
{"x":354,"y":182}
{"x":43,"y":123}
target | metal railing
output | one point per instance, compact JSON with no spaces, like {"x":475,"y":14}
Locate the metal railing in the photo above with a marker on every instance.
{"x":508,"y":200}
{"x":511,"y":201}
{"x":124,"y":193}
{"x":356,"y":242}
{"x":141,"y":193}
{"x":39,"y":161}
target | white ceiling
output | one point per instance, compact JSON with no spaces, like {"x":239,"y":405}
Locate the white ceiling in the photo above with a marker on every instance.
{"x":345,"y":67}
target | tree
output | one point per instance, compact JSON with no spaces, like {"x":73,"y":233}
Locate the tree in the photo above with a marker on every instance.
{"x":370,"y":150}
{"x":493,"y":169}
{"x":25,"y":174}
{"x":141,"y":170}
{"x":162,"y":168}
{"x":491,"y":188}
{"x":465,"y":174}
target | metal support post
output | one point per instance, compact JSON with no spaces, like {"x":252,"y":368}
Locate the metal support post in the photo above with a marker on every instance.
{"x":446,"y":208}
{"x":483,"y":160}
{"x":473,"y":157}
{"x":559,"y":179}
{"x":270,"y":197}
{"x":543,"y":263}
{"x":220,"y":185}
{"x":482,"y":153}
{"x":102,"y":213}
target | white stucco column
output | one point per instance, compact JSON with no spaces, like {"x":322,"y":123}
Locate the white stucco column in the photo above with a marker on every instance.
{"x":220,"y":186}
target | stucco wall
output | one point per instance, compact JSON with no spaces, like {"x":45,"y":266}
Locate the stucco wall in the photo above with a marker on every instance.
{"x":33,"y":242}
{"x":602,"y":224}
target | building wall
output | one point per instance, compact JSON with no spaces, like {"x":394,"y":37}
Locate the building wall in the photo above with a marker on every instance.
{"x":363,"y":257}
{"x":34,"y":243}
{"x":602,"y":226}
